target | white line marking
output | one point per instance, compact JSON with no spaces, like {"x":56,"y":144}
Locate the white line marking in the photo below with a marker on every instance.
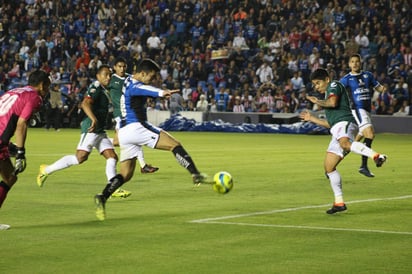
{"x":216,"y":219}
{"x":315,"y":228}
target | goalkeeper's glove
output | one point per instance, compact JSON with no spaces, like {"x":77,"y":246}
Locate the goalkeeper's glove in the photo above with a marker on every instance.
{"x":20,"y":165}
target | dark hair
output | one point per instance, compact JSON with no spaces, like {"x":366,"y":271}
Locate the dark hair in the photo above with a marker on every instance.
{"x":355,"y":55}
{"x":37,"y":77}
{"x":319,"y":74}
{"x":120,"y":60}
{"x":147,"y":65}
{"x":104,"y":66}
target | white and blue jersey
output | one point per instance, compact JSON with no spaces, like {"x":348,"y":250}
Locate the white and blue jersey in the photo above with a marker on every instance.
{"x":360,"y":89}
{"x":133,"y":101}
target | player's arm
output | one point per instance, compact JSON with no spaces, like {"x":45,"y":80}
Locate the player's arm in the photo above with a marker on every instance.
{"x":87,"y":108}
{"x":308,"y":117}
{"x":331,"y":102}
{"x":20,"y":139}
{"x":380,"y":88}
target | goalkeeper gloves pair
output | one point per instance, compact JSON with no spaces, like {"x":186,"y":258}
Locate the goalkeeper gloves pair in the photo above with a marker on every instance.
{"x":20,"y":154}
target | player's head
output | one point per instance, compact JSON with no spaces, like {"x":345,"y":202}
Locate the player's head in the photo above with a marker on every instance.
{"x":40,"y":80}
{"x":355,"y":62}
{"x":146,"y":70}
{"x":103,"y":75}
{"x":120,"y":66}
{"x":320,"y":79}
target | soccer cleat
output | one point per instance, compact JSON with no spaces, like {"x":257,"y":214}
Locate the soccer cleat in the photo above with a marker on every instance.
{"x":42,"y":176}
{"x":121,"y":193}
{"x":148,"y":169}
{"x":4,"y":227}
{"x":336,"y":208}
{"x":199,"y":178}
{"x":100,"y":202}
{"x":365,"y":171}
{"x":379,"y":159}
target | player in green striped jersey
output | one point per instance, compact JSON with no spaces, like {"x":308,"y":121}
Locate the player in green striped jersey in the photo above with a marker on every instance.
{"x":340,"y":121}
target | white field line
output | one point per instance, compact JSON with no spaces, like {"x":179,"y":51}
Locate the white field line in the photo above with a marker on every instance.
{"x":218,"y":220}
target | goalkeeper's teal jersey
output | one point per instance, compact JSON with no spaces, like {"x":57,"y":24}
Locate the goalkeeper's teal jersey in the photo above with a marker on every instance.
{"x":342,"y":112}
{"x":100,"y":107}
{"x":115,"y":87}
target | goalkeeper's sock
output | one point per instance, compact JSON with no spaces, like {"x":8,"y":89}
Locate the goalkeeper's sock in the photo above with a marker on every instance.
{"x":184,"y":159}
{"x":4,"y":189}
{"x":116,"y":182}
{"x":62,"y":163}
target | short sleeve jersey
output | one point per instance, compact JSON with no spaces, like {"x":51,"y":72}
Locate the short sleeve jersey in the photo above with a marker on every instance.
{"x":115,"y":87}
{"x":342,"y":112}
{"x":360,"y":87}
{"x":100,"y":106}
{"x":14,"y":104}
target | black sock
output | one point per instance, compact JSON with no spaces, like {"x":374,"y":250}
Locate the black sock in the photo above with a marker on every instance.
{"x":184,"y":159}
{"x":116,"y":182}
{"x":368,"y":143}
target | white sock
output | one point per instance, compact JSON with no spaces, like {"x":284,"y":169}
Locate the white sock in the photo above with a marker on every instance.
{"x":62,"y":163}
{"x":336,"y":184}
{"x":140,"y":157}
{"x":361,"y":149}
{"x":110,"y":168}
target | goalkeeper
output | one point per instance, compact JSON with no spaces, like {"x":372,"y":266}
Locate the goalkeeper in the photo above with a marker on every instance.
{"x":16,"y":107}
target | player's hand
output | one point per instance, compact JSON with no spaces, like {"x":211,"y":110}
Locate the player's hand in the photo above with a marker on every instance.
{"x":168,"y":92}
{"x":92,"y":126}
{"x":20,"y":164}
{"x":305,"y":115}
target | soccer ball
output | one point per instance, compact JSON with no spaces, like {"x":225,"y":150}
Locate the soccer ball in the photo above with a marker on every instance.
{"x":223,"y":182}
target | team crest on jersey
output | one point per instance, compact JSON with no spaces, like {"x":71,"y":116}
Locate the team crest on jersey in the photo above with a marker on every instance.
{"x":365,"y":76}
{"x":92,"y":90}
{"x":333,"y":85}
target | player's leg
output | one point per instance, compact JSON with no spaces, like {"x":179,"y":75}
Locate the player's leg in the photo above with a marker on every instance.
{"x":345,"y":132}
{"x":366,"y":133}
{"x":84,"y":148}
{"x":144,"y":168}
{"x":168,"y":142}
{"x":8,"y":177}
{"x":105,"y":147}
{"x":333,"y":157}
{"x":126,"y":172}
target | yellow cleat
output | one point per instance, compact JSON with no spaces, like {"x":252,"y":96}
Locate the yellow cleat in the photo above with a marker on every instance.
{"x":121,"y":193}
{"x":100,"y":202}
{"x":42,"y":176}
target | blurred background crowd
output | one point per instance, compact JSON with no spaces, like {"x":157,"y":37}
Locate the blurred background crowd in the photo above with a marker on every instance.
{"x":224,"y":55}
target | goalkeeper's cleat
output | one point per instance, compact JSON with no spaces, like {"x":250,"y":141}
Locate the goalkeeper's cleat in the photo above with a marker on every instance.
{"x":100,"y":203}
{"x":365,"y":171}
{"x":4,"y":227}
{"x":199,"y":178}
{"x":148,"y":169}
{"x":337,"y":208}
{"x":121,"y":193}
{"x":379,"y":159}
{"x":42,"y":176}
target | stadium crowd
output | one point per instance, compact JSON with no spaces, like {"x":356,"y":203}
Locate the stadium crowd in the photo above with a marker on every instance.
{"x":224,"y":55}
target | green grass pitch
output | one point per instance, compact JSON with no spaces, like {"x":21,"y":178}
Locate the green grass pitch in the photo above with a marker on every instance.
{"x":273,"y":221}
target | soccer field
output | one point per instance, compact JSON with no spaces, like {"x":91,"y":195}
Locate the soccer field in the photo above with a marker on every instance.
{"x":273,"y":221}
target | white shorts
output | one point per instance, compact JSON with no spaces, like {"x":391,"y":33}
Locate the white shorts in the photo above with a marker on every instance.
{"x":135,"y":135}
{"x":340,"y":130}
{"x":89,"y":140}
{"x":362,"y":118}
